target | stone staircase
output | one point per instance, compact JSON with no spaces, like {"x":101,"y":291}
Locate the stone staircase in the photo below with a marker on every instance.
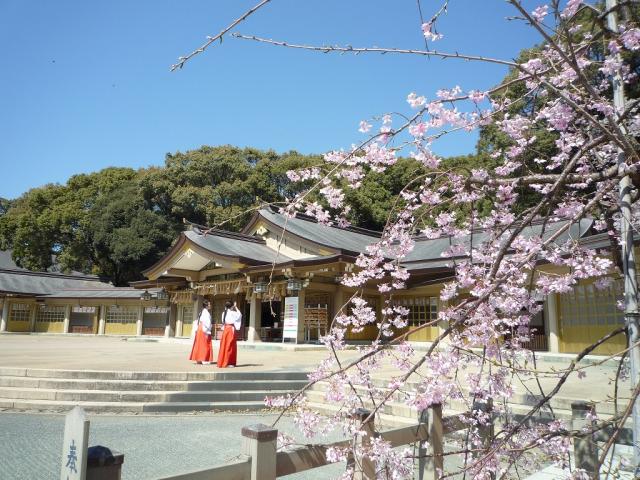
{"x":142,"y":392}
{"x":397,"y":413}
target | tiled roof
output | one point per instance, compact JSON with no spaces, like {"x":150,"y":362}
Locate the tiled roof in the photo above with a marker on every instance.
{"x":342,"y":239}
{"x":128,"y":292}
{"x":233,"y":245}
{"x":44,"y":283}
{"x":431,"y":249}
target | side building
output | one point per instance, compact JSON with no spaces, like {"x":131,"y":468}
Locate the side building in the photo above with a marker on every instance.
{"x":51,"y":302}
{"x":285,"y":274}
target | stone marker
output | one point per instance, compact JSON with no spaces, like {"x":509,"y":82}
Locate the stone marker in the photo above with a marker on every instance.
{"x":74,"y":446}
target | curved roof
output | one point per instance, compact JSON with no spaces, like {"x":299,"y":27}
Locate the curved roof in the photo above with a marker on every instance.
{"x":432,"y":249}
{"x":349,"y":240}
{"x":245,"y":249}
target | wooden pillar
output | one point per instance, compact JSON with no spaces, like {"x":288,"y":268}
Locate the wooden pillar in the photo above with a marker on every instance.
{"x":259,"y":443}
{"x":338,"y":302}
{"x":32,"y":316}
{"x":102,"y":320}
{"x":585,"y":448}
{"x":443,"y":324}
{"x":67,"y":319}
{"x":485,"y":428}
{"x":169,"y":329}
{"x":434,"y":464}
{"x":301,"y":328}
{"x":139,"y":321}
{"x":255,"y":315}
{"x":551,"y":314}
{"x":4,"y":320}
{"x":364,"y":468}
{"x":179,"y":320}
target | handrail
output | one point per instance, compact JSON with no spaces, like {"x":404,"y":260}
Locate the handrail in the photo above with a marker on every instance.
{"x":261,"y":461}
{"x":237,"y":470}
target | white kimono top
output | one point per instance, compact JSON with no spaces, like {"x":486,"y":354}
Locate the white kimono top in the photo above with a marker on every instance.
{"x":205,"y":321}
{"x":233,"y":317}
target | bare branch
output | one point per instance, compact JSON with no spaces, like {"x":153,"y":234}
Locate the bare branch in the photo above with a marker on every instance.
{"x":210,"y":40}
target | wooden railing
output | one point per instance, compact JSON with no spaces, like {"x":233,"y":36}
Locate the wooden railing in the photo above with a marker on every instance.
{"x":261,"y":461}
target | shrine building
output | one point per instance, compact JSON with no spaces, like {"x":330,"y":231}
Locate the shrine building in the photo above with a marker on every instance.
{"x":284,"y":274}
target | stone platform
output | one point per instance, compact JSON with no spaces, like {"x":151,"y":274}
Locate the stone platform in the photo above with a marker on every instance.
{"x":113,"y":375}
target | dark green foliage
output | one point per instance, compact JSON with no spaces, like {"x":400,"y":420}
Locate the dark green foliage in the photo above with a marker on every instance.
{"x":119,"y":221}
{"x":217,"y":185}
{"x":122,"y":235}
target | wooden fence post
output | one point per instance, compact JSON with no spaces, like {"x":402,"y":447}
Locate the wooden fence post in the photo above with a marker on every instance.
{"x":585,"y":449}
{"x":431,"y":467}
{"x":260,"y":443}
{"x":365,"y":468}
{"x":485,"y":431}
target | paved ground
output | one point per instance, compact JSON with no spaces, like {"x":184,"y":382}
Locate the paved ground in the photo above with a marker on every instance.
{"x":154,"y":447}
{"x":157,"y":446}
{"x":114,"y":353}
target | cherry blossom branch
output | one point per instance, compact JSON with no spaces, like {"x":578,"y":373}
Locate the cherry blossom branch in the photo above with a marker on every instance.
{"x":210,"y":40}
{"x":380,"y":50}
{"x":619,"y":135}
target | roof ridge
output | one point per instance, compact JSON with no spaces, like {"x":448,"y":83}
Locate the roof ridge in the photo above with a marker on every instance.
{"x":89,"y":278}
{"x":533,"y":223}
{"x":360,"y":230}
{"x":225,"y":233}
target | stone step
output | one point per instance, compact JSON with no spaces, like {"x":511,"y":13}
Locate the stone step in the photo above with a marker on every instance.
{"x":402,"y":410}
{"x":210,"y":375}
{"x":132,"y":396}
{"x":383,"y":419}
{"x":132,"y":407}
{"x":147,"y":385}
{"x":605,"y":408}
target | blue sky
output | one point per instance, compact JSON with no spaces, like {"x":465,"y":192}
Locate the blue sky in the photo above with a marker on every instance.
{"x":86,"y":85}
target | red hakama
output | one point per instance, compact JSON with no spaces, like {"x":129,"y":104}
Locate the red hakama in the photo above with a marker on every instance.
{"x":201,"y":350}
{"x":228,"y":347}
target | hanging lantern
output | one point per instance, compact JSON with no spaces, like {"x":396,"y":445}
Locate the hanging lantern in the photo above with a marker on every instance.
{"x":260,"y":287}
{"x":294,"y":284}
{"x":162,"y":295}
{"x":146,"y":296}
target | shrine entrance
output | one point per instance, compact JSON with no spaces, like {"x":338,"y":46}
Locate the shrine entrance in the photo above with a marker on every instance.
{"x":271,"y":321}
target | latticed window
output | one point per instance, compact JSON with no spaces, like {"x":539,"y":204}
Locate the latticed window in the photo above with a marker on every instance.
{"x":187,"y":313}
{"x":421,"y":309}
{"x":20,"y":312}
{"x":122,"y":315}
{"x":587,"y":305}
{"x":50,"y":313}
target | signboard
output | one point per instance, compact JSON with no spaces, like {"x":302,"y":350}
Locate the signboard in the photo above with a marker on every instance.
{"x":156,"y":309}
{"x":78,"y":309}
{"x":74,"y":446}
{"x":290,"y":329}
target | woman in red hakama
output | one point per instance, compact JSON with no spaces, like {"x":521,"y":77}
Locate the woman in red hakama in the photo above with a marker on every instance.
{"x":202,"y":352}
{"x":231,"y":319}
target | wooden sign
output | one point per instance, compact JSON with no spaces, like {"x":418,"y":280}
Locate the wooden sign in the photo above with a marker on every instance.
{"x":156,"y":309}
{"x":290,"y":329}
{"x":74,"y":446}
{"x":79,"y":309}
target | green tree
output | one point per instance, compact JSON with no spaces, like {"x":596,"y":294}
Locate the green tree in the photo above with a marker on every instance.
{"x":123,"y":236}
{"x":29,"y":228}
{"x":52,"y":220}
{"x":218,"y":185}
